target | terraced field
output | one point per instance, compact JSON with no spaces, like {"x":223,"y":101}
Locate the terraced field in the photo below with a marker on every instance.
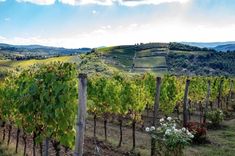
{"x":148,"y":58}
{"x":150,"y":62}
{"x":152,"y":52}
{"x":120,"y":56}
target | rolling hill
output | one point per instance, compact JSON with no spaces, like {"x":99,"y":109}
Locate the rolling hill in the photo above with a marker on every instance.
{"x":226,"y":47}
{"x":207,"y":44}
{"x":159,"y":58}
{"x":172,"y":58}
{"x":218,"y":46}
{"x":37,"y":50}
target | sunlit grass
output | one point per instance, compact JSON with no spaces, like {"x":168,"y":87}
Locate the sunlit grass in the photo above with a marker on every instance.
{"x":222,"y":142}
{"x":150,"y":62}
{"x":9,"y":64}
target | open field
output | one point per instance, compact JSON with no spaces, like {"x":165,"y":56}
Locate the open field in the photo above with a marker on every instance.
{"x":10,"y":64}
{"x":150,"y":62}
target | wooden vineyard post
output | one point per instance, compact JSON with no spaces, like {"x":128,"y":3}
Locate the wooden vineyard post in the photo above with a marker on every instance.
{"x":156,"y":103}
{"x":189,"y":112}
{"x":201,"y":111}
{"x":219,"y":96}
{"x":156,"y":106}
{"x":185,"y":107}
{"x":230,"y":94}
{"x":207,"y":100}
{"x":46,"y":147}
{"x":80,"y":126}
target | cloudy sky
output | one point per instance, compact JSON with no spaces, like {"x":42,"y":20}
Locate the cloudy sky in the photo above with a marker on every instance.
{"x":94,"y":23}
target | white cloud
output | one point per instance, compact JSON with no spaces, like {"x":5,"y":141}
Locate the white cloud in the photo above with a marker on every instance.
{"x":106,"y":27}
{"x":103,"y":2}
{"x":2,"y":0}
{"x":84,"y":2}
{"x":148,"y":2}
{"x":2,"y":38}
{"x":132,"y":33}
{"x":38,"y":2}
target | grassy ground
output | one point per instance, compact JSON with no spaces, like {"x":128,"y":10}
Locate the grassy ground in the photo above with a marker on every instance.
{"x":189,"y":52}
{"x":150,"y":62}
{"x":222,"y":142}
{"x":8,"y":150}
{"x":150,"y":52}
{"x":9,"y":64}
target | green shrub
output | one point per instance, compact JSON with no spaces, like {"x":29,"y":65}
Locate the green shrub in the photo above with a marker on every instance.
{"x":215,"y":116}
{"x":233,"y":104}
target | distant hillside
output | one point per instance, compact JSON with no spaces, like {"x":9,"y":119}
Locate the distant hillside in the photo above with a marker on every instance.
{"x":224,"y":48}
{"x":160,"y":58}
{"x":7,"y":66}
{"x":208,"y":44}
{"x":38,"y":50}
{"x":172,"y":58}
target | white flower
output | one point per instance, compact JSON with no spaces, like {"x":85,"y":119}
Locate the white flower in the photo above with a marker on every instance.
{"x":169,"y":118}
{"x":188,"y":133}
{"x":183,"y":129}
{"x":161,"y":120}
{"x":159,"y":128}
{"x":168,"y":131}
{"x":152,"y":128}
{"x":147,"y":129}
{"x":174,"y":125}
{"x":191,"y":136}
{"x":164,"y":125}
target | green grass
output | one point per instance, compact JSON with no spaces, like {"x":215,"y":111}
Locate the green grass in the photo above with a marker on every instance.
{"x":9,"y":150}
{"x":189,"y":52}
{"x":144,"y":53}
{"x":150,"y":62}
{"x":150,"y":52}
{"x":222,"y":142}
{"x":122,"y":55}
{"x":9,"y":64}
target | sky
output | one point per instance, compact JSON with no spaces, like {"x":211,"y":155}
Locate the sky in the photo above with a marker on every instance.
{"x":95,"y":23}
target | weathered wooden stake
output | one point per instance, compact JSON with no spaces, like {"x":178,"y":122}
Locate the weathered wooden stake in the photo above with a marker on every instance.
{"x":189,"y":111}
{"x":46,"y":147}
{"x":17,"y":139}
{"x":156,"y":103}
{"x":80,"y":130}
{"x":207,"y":100}
{"x":219,"y":95}
{"x":185,"y":107}
{"x":230,"y":93}
{"x":156,"y":106}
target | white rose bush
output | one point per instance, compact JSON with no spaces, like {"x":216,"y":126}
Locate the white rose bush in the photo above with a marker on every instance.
{"x":170,"y":139}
